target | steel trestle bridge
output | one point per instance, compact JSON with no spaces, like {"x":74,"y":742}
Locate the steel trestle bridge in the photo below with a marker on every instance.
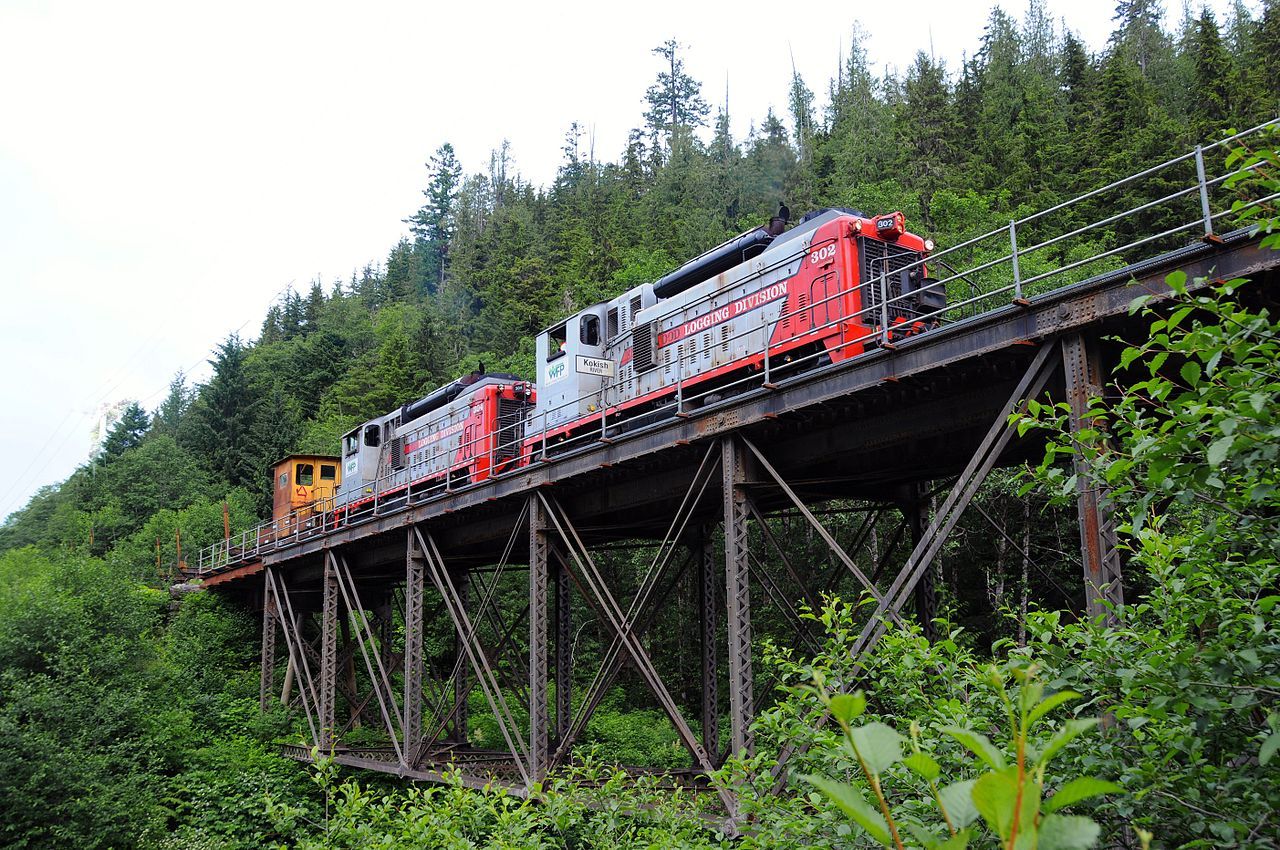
{"x":901,"y":435}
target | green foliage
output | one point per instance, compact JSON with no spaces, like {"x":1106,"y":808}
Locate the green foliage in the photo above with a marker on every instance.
{"x":1009,"y":795}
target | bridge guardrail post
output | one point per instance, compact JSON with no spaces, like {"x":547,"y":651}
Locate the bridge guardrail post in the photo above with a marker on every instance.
{"x":884,"y":304}
{"x":1204,"y":193}
{"x":1013,"y":253}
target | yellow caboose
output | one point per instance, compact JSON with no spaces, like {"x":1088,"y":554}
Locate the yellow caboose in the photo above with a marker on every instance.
{"x":304,"y":486}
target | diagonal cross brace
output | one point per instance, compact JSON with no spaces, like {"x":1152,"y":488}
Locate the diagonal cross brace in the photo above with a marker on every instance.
{"x":604,"y":602}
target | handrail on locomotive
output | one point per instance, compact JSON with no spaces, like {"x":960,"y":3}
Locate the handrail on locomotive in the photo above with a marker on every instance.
{"x":325,"y":516}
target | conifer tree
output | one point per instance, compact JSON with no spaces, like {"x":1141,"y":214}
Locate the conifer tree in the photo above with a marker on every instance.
{"x":169,"y":416}
{"x":127,"y":433}
{"x":433,"y":224}
{"x":224,"y":416}
{"x":675,"y":98}
{"x":1213,"y":78}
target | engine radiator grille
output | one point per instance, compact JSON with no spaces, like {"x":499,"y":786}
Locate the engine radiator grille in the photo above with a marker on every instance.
{"x":510,"y":428}
{"x":884,"y":257}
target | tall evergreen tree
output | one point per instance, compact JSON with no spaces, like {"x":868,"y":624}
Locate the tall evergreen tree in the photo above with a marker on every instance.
{"x":172,"y":412}
{"x":224,"y":416}
{"x":1213,"y":79}
{"x":126,"y":433}
{"x":432,"y":225}
{"x":675,"y":98}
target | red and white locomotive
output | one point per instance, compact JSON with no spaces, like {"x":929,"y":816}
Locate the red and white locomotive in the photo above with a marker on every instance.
{"x":769,"y":300}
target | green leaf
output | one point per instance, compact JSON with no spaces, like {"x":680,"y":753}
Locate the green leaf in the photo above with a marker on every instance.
{"x":957,"y":798}
{"x":846,"y":707}
{"x":879,"y":746}
{"x":1080,"y":789}
{"x":994,"y":795}
{"x":959,"y":841}
{"x":1190,"y":373}
{"x":1269,"y":747}
{"x":923,"y":766}
{"x":978,"y":744}
{"x":1218,"y":450}
{"x":1064,"y":736}
{"x":927,"y":839}
{"x":850,"y":801}
{"x":1049,"y":703}
{"x":1067,"y":832}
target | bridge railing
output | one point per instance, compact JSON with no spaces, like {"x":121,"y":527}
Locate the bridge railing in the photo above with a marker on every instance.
{"x":1099,"y":232}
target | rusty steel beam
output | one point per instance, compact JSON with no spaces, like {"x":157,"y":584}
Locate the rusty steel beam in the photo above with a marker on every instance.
{"x":564,"y":651}
{"x":1103,"y":582}
{"x":267,"y":676}
{"x":414,"y":594}
{"x":539,"y":558}
{"x":708,"y":620}
{"x":328,"y":654}
{"x":737,"y":596}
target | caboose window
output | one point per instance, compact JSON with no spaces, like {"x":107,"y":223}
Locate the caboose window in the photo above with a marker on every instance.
{"x":284,"y":480}
{"x":557,"y":340}
{"x":328,"y":472}
{"x":304,"y":474}
{"x":589,"y":330}
{"x":372,"y":436}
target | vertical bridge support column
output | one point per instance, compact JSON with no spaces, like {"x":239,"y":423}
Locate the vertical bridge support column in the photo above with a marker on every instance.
{"x":415,"y":583}
{"x":539,"y":554}
{"x":328,"y":654}
{"x":270,"y":616}
{"x":737,"y":596}
{"x":707,"y":619}
{"x":564,"y":652}
{"x":1103,"y":586}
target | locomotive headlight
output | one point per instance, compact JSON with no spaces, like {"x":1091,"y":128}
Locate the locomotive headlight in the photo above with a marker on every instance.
{"x":928,"y":244}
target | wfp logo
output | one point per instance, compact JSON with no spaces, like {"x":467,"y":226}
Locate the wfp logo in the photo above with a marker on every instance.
{"x":555,"y":372}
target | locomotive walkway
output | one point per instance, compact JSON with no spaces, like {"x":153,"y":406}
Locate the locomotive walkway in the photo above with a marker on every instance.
{"x":701,"y":490}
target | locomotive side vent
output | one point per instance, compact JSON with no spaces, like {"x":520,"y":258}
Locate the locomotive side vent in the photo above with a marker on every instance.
{"x":642,"y":347}
{"x":725,"y":331}
{"x":395,"y":453}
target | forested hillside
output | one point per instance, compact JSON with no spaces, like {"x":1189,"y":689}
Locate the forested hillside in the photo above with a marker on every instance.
{"x":126,"y":724}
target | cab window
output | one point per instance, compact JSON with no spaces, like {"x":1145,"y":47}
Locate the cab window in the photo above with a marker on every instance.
{"x":304,"y":474}
{"x":372,"y":436}
{"x":589,"y":330}
{"x":350,"y":444}
{"x":557,"y":340}
{"x":328,"y":472}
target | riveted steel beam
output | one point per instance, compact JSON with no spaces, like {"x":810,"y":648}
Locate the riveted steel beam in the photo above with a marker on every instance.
{"x":539,"y":558}
{"x":270,"y":618}
{"x":328,"y":654}
{"x":414,"y":622}
{"x":1103,"y":581}
{"x":737,"y":596}
{"x":708,"y":621}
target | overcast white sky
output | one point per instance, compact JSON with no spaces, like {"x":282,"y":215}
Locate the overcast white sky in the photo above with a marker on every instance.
{"x":167,"y":168}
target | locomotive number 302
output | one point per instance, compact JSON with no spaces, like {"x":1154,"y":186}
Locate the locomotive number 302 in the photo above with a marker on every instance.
{"x":826,"y":252}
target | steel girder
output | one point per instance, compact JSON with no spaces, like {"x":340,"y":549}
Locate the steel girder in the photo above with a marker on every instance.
{"x":539,"y":557}
{"x":1103,"y":584}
